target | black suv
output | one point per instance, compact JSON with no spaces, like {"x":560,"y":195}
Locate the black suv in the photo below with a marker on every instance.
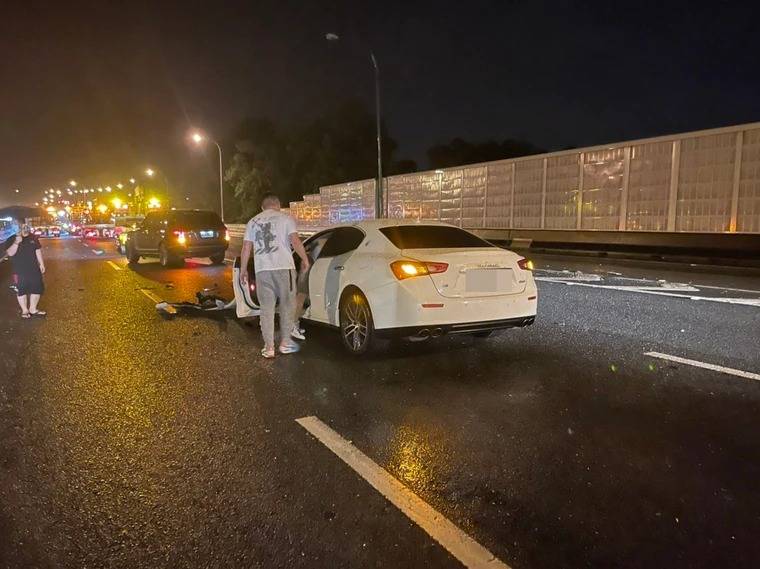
{"x":175,"y":235}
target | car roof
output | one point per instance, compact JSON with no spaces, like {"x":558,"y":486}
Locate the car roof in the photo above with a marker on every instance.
{"x":381,"y":223}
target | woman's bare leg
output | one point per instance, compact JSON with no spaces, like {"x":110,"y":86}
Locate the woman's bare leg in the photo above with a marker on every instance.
{"x":22,"y":304}
{"x":33,"y":300}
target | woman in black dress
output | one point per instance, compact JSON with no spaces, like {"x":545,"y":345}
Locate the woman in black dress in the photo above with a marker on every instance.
{"x":28,"y":265}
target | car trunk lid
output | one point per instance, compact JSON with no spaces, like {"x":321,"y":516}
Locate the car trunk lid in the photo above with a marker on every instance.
{"x":474,"y":271}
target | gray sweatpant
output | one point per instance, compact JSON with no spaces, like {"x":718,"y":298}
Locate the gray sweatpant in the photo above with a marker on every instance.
{"x":272,"y":286}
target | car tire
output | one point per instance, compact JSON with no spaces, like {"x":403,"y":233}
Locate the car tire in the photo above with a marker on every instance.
{"x":357,"y":329}
{"x":167,"y":259}
{"x":217,"y":259}
{"x":132,"y":257}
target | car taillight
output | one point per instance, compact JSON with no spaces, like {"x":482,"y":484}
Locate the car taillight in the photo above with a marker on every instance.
{"x":408,"y":269}
{"x":180,"y":235}
{"x":525,"y":264}
{"x":226,"y":235}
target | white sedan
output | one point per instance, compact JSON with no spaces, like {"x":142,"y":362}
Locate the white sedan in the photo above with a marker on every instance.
{"x":418,"y":280}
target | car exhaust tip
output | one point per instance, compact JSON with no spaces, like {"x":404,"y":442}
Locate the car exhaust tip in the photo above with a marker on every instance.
{"x":422,"y":335}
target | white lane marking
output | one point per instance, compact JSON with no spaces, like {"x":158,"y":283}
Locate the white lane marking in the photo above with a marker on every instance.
{"x":468,"y":551}
{"x":151,"y":296}
{"x":731,"y":289}
{"x":648,"y":290}
{"x":713,"y":367}
{"x":114,"y":266}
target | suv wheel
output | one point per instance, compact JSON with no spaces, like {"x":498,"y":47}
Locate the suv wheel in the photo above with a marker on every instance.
{"x":165,"y":258}
{"x":132,"y":256}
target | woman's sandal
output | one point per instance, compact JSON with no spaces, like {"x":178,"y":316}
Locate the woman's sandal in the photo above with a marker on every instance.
{"x":26,"y":315}
{"x":39,"y":313}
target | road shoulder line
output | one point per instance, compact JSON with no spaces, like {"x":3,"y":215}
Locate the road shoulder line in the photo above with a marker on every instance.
{"x":468,"y":551}
{"x":703,"y":365}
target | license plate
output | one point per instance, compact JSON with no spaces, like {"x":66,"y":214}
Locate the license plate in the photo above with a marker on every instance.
{"x":208,"y":234}
{"x":487,"y":280}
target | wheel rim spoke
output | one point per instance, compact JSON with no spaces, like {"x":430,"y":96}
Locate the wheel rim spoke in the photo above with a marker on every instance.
{"x":356,"y":326}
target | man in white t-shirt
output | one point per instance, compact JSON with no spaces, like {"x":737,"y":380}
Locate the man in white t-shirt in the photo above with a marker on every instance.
{"x":270,"y":236}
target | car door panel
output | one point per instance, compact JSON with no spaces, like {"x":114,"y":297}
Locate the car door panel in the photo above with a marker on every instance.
{"x":327,"y":276}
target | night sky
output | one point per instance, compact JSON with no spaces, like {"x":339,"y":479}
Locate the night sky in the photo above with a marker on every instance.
{"x":97,"y":92}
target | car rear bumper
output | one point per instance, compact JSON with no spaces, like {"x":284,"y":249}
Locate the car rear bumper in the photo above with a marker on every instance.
{"x":198,"y":250}
{"x":436,"y":330}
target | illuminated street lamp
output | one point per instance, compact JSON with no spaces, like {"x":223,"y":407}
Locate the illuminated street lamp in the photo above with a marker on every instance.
{"x":198,"y":138}
{"x":17,"y":191}
{"x":73,"y":183}
{"x":132,"y":181}
{"x":379,"y":198}
{"x":120,"y":185}
{"x":154,"y":203}
{"x":116,"y":203}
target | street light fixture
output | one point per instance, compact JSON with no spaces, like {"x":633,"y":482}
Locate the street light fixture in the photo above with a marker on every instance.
{"x":73,"y":183}
{"x":150,"y":172}
{"x":198,"y":138}
{"x":380,"y":210}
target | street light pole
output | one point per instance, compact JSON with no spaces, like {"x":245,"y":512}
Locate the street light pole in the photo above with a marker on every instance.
{"x":221,"y":181}
{"x":380,"y":210}
{"x":198,"y":138}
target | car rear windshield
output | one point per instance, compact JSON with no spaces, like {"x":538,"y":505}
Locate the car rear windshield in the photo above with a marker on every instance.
{"x":431,"y":237}
{"x":197,"y":219}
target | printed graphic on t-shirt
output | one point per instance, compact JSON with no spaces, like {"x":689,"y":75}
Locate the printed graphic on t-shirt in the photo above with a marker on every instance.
{"x":266,"y":239}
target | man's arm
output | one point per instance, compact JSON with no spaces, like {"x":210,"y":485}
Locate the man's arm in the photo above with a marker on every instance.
{"x":40,"y":261}
{"x":10,"y":251}
{"x":245,"y":255}
{"x":295,"y":241}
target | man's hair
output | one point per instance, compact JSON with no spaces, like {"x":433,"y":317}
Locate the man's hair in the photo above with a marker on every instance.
{"x":270,"y":200}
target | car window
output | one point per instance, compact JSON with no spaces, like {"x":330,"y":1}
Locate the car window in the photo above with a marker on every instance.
{"x":150,"y":221}
{"x":343,"y":240}
{"x":197,"y":219}
{"x":431,"y":237}
{"x":315,"y":244}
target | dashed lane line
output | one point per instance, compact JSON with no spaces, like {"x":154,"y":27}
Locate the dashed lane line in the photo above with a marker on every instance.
{"x":468,"y":551}
{"x":648,"y":290}
{"x":114,"y":266}
{"x":151,"y":296}
{"x":703,"y":365}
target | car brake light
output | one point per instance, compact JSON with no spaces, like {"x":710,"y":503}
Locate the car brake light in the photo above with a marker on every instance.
{"x":408,"y":269}
{"x":180,"y":235}
{"x":525,"y":264}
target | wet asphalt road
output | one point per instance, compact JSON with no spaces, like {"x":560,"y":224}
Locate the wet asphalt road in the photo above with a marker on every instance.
{"x":130,"y":440}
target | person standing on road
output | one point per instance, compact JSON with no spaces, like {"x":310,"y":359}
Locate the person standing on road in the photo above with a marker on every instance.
{"x":270,"y":236}
{"x":28,"y":266}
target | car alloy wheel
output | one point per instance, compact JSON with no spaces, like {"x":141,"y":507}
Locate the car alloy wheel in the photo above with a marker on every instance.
{"x":356,"y":322}
{"x":163,"y":256}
